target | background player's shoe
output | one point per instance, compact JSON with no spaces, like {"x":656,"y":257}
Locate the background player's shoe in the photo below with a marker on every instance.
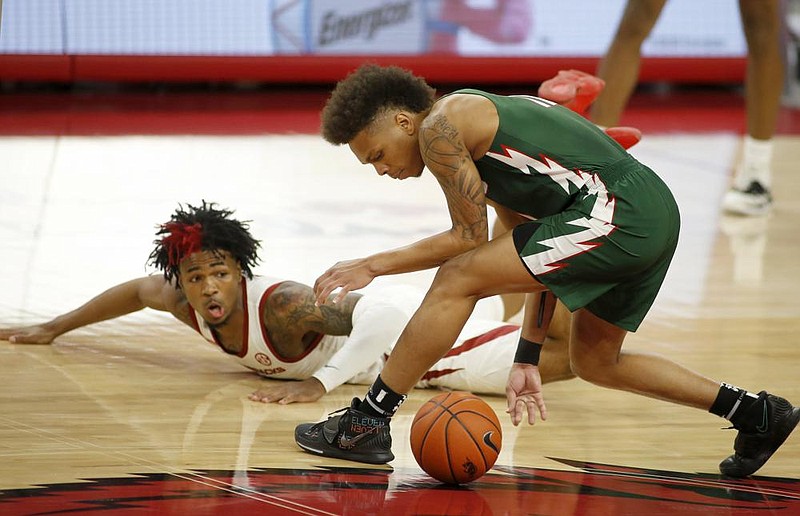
{"x":754,"y":200}
{"x":350,"y":435}
{"x":627,"y":137}
{"x":572,"y":89}
{"x":776,"y":419}
{"x":577,"y":90}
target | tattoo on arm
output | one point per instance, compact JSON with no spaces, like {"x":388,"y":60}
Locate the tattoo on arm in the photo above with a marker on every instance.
{"x":290,"y":314}
{"x":445,"y":154}
{"x":442,"y":145}
{"x":338,"y":319}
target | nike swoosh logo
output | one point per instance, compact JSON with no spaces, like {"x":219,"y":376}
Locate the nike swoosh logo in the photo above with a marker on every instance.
{"x":487,"y":438}
{"x":764,"y":426}
{"x":349,"y":443}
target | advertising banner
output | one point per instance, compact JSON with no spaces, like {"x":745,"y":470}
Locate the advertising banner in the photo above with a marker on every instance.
{"x":469,"y":28}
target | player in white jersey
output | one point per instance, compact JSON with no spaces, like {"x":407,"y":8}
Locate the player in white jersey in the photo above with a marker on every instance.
{"x":274,"y":328}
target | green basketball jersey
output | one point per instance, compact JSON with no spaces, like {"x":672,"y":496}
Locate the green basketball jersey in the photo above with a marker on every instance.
{"x":542,"y":155}
{"x":606,"y":226}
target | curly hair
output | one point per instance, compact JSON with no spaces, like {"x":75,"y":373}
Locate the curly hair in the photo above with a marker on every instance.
{"x":203,"y":228}
{"x":365,"y":93}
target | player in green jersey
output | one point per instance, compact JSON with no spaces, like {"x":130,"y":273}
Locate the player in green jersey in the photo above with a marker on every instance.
{"x":593,"y":227}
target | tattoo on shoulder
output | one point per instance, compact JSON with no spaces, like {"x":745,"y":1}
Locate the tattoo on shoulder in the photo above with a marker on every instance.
{"x":442,"y":145}
{"x":291,"y":311}
{"x":338,"y":319}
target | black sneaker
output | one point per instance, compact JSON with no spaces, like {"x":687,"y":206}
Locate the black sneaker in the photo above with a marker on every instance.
{"x":753,"y":449}
{"x":351,"y":435}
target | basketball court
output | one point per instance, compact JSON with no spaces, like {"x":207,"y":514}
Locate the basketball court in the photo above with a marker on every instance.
{"x":140,"y":415}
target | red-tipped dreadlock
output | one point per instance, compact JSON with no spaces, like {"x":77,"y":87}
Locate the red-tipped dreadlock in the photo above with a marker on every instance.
{"x":181,"y":241}
{"x":203,"y":228}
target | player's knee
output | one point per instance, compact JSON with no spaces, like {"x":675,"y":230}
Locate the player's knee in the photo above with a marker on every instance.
{"x":579,"y":368}
{"x":453,"y":279}
{"x":587,"y":373}
{"x":592,"y":370}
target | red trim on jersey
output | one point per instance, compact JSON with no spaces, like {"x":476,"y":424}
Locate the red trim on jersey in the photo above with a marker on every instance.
{"x":265,"y":335}
{"x":481,"y":339}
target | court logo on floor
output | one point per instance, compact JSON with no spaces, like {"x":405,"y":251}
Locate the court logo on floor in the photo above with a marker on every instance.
{"x":583,"y":488}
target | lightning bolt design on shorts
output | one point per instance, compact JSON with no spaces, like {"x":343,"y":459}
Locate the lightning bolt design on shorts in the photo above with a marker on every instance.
{"x":598,"y":224}
{"x":567,"y":246}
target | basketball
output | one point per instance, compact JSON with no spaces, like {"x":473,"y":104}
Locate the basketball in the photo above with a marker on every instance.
{"x":456,"y":437}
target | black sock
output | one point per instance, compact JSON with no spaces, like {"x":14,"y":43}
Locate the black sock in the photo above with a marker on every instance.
{"x":381,"y":401}
{"x":733,"y":403}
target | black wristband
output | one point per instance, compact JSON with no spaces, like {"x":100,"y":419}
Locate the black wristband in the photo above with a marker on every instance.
{"x":527,"y":352}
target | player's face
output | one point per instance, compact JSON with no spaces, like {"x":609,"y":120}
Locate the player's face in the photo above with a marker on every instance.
{"x":390,"y":145}
{"x":211,"y":283}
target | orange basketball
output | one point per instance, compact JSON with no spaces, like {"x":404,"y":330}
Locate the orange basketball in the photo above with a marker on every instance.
{"x":456,"y":437}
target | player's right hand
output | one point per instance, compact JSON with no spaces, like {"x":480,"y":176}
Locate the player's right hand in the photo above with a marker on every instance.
{"x":345,"y":276}
{"x":37,"y":334}
{"x":524,"y":393}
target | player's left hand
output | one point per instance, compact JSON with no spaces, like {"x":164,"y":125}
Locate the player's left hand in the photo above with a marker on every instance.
{"x":346,"y":276}
{"x":524,"y":392}
{"x":291,"y":392}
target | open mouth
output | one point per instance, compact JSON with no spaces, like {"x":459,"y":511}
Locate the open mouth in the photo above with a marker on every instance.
{"x":215,"y":310}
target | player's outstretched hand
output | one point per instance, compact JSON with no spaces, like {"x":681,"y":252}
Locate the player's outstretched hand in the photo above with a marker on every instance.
{"x":291,"y":392}
{"x":37,"y":334}
{"x":346,"y":276}
{"x":524,"y":393}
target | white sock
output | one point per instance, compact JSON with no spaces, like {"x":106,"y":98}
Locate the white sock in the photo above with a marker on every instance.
{"x":755,"y":165}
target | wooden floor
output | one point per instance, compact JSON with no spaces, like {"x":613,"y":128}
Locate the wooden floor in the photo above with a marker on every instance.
{"x":140,"y":415}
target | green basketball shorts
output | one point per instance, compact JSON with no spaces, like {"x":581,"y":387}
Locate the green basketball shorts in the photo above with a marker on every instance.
{"x":610,"y":249}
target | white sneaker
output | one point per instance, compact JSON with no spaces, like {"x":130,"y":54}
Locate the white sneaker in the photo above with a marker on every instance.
{"x":755,"y":200}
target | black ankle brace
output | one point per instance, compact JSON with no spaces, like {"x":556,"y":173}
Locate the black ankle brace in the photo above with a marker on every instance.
{"x":733,"y":403}
{"x":381,"y":401}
